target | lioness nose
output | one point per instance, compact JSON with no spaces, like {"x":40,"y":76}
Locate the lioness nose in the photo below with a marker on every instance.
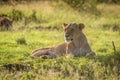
{"x":66,"y":35}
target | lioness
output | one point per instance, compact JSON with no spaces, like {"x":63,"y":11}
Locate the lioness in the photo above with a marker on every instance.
{"x":5,"y":23}
{"x":76,"y":44}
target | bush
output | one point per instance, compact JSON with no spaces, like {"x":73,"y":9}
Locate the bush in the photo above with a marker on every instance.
{"x":17,"y":15}
{"x":31,"y":18}
{"x":21,"y":41}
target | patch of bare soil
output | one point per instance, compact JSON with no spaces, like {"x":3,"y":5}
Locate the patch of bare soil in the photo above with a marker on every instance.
{"x":17,"y":67}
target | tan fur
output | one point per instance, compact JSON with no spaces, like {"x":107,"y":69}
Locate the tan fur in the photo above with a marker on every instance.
{"x":76,"y":44}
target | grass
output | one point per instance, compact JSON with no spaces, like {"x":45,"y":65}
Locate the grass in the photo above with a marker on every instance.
{"x":55,"y":14}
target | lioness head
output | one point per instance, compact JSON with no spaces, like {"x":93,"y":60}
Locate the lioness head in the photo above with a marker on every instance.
{"x":72,"y":30}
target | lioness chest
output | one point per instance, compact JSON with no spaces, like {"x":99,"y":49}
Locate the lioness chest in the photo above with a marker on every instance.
{"x":78,"y":52}
{"x":75,"y":51}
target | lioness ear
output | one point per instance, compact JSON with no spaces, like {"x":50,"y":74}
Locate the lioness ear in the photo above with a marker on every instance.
{"x":64,"y":25}
{"x":81,"y":26}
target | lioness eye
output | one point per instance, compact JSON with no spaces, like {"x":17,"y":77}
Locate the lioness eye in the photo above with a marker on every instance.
{"x":72,"y":29}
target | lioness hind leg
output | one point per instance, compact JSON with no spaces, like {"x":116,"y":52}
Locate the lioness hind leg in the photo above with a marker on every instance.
{"x":43,"y":53}
{"x":48,"y":56}
{"x":45,"y":57}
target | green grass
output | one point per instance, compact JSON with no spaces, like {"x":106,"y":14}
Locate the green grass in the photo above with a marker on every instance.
{"x":107,"y":66}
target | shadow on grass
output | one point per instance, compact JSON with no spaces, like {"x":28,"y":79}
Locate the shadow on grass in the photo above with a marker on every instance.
{"x":110,"y":60}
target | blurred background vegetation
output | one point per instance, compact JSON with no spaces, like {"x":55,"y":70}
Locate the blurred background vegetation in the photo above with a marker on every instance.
{"x":43,"y":12}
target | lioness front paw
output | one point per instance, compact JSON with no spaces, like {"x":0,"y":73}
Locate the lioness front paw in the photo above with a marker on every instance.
{"x":90,"y":54}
